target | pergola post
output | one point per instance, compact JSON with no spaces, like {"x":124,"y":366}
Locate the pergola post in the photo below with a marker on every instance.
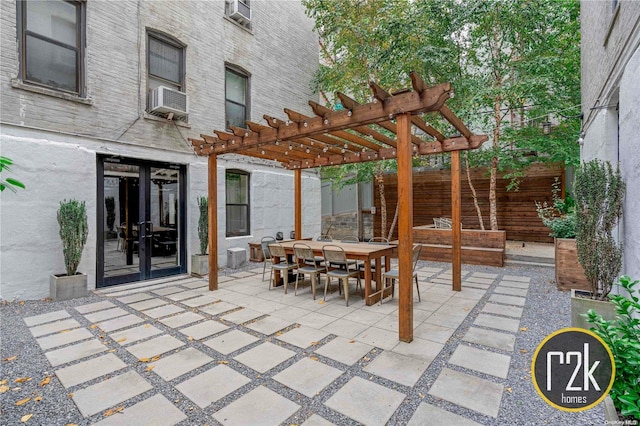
{"x":213,"y":221}
{"x":405,"y":228}
{"x":297,"y":175}
{"x":456,"y":224}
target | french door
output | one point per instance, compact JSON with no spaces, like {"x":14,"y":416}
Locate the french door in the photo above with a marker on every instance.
{"x":141,"y":221}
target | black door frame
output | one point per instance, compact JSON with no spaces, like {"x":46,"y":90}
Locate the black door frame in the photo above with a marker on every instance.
{"x":144,"y":243}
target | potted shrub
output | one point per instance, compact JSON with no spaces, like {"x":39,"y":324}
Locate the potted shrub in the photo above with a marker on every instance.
{"x":598,"y":191}
{"x":622,"y":335}
{"x":560,"y":218}
{"x":200,"y":262}
{"x":72,"y":218}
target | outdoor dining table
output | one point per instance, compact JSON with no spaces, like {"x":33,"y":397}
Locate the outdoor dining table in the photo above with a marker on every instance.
{"x":368,"y":253}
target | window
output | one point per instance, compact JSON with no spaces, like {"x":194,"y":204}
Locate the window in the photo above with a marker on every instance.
{"x":236,"y":95}
{"x":237,"y":189}
{"x":165,"y":62}
{"x":51,"y":43}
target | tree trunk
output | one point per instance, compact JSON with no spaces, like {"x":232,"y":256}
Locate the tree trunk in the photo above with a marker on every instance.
{"x":493,"y":211}
{"x":359,"y":213}
{"x":473,"y":191}
{"x":383,"y":202}
{"x":393,"y":224}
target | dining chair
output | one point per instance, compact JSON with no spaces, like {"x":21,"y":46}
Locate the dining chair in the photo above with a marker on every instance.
{"x":324,"y":238}
{"x":394,"y":274}
{"x":284,"y":267}
{"x":307,"y":266}
{"x":335,"y":255}
{"x":383,"y":241}
{"x":266,"y":253}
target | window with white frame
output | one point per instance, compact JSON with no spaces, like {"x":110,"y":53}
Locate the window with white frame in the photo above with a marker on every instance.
{"x":237,"y":203}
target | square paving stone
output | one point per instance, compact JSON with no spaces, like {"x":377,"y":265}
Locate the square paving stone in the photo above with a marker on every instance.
{"x":182,"y":319}
{"x":147,"y":304}
{"x":428,"y":414}
{"x":167,"y":290}
{"x":316,"y":320}
{"x":510,"y":311}
{"x":397,"y":368}
{"x":99,"y":397}
{"x":499,"y":323}
{"x":345,"y":328}
{"x":163,"y":311}
{"x":54,"y":327}
{"x":203,"y":329}
{"x":481,"y":360}
{"x":184,"y":295}
{"x":92,"y":307}
{"x":230,"y":342}
{"x":422,"y":349}
{"x":366,"y":402}
{"x":75,"y":352}
{"x":435,"y":333}
{"x":269,"y":325}
{"x":59,"y":339}
{"x":264,"y":357}
{"x":89,"y":370}
{"x":479,"y":280}
{"x":105,"y":315}
{"x":303,"y":337}
{"x":218,"y":308}
{"x":196,"y":284}
{"x":134,"y":334}
{"x":493,"y":339}
{"x":373,"y":336}
{"x":346,"y":351}
{"x":512,"y":284}
{"x":484,"y":275}
{"x":468,"y":391}
{"x":261,"y":406}
{"x":155,"y":346}
{"x":316,"y":420}
{"x":507,"y":300}
{"x":516,"y":278}
{"x":156,"y":411}
{"x":308,"y":377}
{"x":44,"y":318}
{"x":120,"y":322}
{"x":200,"y":301}
{"x":182,"y":362}
{"x":137,"y":297}
{"x":241,"y":316}
{"x":511,"y":291}
{"x":200,"y":390}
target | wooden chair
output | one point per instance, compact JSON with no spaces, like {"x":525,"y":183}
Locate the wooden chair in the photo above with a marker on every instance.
{"x":335,"y":255}
{"x":283,"y":267}
{"x":266,"y":254}
{"x":307,"y":265}
{"x":394,"y":274}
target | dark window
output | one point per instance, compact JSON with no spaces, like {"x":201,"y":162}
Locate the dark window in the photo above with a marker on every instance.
{"x":52,"y":40}
{"x":237,"y":190}
{"x":165,"y":62}
{"x":236,"y":95}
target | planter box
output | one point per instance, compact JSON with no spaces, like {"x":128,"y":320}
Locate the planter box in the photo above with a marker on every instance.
{"x":199,"y":265}
{"x":65,"y":287}
{"x":580,"y":305}
{"x":569,"y":272}
{"x":610,"y":412}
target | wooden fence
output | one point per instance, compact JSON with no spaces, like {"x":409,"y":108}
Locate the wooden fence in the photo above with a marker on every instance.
{"x":516,"y":209}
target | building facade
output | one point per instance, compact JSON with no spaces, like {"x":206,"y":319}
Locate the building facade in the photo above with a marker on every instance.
{"x":611,"y":105}
{"x":98,"y":102}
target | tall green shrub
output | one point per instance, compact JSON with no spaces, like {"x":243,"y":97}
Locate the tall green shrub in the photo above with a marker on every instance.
{"x":599,"y":191}
{"x":203,"y":224}
{"x":72,"y":218}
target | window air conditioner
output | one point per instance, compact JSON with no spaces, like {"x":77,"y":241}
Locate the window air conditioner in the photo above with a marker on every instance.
{"x":240,"y":11}
{"x":165,"y":100}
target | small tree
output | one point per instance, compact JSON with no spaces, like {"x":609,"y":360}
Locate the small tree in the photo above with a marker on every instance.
{"x":598,"y":194}
{"x":72,"y":218}
{"x":203,"y":224}
{"x":110,"y":204}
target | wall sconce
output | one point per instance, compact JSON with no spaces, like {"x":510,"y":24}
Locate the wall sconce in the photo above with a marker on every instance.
{"x":581,"y":139}
{"x":546,"y":127}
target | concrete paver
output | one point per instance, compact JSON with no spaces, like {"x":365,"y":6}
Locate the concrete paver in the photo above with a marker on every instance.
{"x":201,"y":300}
{"x":499,"y":323}
{"x":75,"y":352}
{"x":316,"y":420}
{"x":105,"y":314}
{"x":522,"y":292}
{"x":181,"y":362}
{"x":93,"y":307}
{"x":509,"y":311}
{"x":425,"y":350}
{"x":156,"y":346}
{"x":89,"y":370}
{"x":147,"y":304}
{"x":54,"y":327}
{"x":242,"y":315}
{"x":137,"y":297}
{"x":269,"y":325}
{"x":468,"y":391}
{"x":44,"y":318}
{"x":203,"y":329}
{"x":60,"y":339}
{"x":264,"y":357}
{"x":435,"y":333}
{"x":218,"y":308}
{"x":230,"y":342}
{"x":308,"y":377}
{"x":507,"y":300}
{"x":345,"y":328}
{"x":180,"y":320}
{"x":513,"y":284}
{"x":199,"y":389}
{"x":481,"y":360}
{"x":493,"y":339}
{"x":119,"y":323}
{"x":163,"y":311}
{"x":167,"y":291}
{"x":344,"y":350}
{"x":517,"y":278}
{"x":134,"y":334}
{"x":302,"y":336}
{"x":156,"y":411}
{"x":398,"y":368}
{"x":260,"y":406}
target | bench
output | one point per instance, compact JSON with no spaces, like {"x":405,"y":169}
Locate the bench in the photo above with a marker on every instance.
{"x":478,"y":247}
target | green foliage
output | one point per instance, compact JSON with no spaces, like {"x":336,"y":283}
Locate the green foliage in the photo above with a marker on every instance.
{"x":72,"y":218}
{"x":110,"y":204}
{"x":622,"y":335}
{"x":203,"y":224}
{"x":9,"y":183}
{"x":598,"y":192}
{"x":560,"y":217}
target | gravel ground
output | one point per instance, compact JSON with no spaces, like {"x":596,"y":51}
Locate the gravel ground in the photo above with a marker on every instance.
{"x":546,"y":310}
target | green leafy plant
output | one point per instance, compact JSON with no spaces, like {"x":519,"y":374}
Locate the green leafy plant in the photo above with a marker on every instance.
{"x":599,"y":191}
{"x":8,"y":183}
{"x":203,"y":224}
{"x":560,"y":216}
{"x":72,"y":218}
{"x":622,"y":335}
{"x":110,"y":204}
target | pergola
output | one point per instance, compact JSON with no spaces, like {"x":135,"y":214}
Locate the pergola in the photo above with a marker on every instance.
{"x":330,"y":138}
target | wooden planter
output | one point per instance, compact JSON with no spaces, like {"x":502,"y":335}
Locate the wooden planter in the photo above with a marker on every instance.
{"x":65,"y":287}
{"x":569,"y":272}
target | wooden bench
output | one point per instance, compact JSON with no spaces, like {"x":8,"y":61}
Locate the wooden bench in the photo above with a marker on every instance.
{"x":478,"y":247}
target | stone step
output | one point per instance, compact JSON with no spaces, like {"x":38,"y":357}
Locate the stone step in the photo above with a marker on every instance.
{"x":509,"y":262}
{"x":530,"y":258}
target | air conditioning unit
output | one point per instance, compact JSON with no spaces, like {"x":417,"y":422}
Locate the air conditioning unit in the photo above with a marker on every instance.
{"x":165,"y":100}
{"x":240,"y":11}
